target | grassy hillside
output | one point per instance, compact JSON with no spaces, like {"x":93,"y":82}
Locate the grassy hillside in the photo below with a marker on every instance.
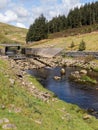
{"x":27,"y":112}
{"x":91,"y":40}
{"x":64,"y":39}
{"x":12,"y":34}
{"x":75,"y":31}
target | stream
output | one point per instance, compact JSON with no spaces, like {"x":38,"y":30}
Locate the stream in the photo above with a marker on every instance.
{"x":67,"y":90}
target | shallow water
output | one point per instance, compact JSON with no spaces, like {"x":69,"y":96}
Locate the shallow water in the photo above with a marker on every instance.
{"x":67,"y":90}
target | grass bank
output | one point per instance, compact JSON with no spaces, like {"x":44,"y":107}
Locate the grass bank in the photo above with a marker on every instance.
{"x":27,"y":112}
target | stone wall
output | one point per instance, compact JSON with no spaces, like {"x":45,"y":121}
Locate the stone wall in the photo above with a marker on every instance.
{"x":82,"y":53}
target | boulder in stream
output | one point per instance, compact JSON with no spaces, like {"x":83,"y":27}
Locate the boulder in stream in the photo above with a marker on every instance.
{"x":57,"y":77}
{"x":62,"y":71}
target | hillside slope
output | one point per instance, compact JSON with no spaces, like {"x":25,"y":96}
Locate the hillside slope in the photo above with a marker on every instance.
{"x":91,"y":40}
{"x":12,"y":34}
{"x":21,"y":109}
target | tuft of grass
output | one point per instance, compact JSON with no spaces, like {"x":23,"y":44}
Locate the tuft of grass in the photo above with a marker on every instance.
{"x":88,"y":79}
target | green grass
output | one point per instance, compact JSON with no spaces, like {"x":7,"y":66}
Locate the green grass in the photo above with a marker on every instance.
{"x":12,"y":34}
{"x":91,"y":40}
{"x":86,"y":78}
{"x":36,"y":114}
{"x":65,"y":38}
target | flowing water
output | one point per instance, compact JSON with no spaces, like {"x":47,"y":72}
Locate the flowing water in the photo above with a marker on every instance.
{"x":67,"y":90}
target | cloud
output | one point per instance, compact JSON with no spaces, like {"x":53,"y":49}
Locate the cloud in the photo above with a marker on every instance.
{"x":52,"y":8}
{"x":21,"y":25}
{"x":71,"y":3}
{"x":8,"y":16}
{"x":48,"y":2}
{"x":25,"y":12}
{"x":3,"y":3}
{"x":21,"y":12}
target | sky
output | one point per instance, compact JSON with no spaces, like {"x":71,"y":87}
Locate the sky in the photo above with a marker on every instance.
{"x":22,"y":13}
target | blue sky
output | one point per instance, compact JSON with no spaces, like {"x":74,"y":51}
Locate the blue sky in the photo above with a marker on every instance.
{"x":22,"y":13}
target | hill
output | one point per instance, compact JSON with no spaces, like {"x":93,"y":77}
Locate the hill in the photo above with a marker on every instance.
{"x":12,"y":34}
{"x":58,"y":40}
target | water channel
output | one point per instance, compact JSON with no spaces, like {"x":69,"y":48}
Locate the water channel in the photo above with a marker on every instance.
{"x":69,"y":91}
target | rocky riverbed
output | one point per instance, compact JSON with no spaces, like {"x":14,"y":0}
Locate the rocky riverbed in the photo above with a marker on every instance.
{"x":32,"y":63}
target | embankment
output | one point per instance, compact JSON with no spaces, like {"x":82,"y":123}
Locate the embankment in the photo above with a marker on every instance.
{"x":26,"y":105}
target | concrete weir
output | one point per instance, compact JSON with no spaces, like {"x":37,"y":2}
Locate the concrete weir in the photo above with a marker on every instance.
{"x":43,"y":52}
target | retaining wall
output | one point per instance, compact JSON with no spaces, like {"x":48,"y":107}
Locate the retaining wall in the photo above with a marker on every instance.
{"x":81,"y":53}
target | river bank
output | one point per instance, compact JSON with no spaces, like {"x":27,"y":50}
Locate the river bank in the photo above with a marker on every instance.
{"x":25,"y":108}
{"x":87,"y":62}
{"x":87,"y":65}
{"x":84,"y":94}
